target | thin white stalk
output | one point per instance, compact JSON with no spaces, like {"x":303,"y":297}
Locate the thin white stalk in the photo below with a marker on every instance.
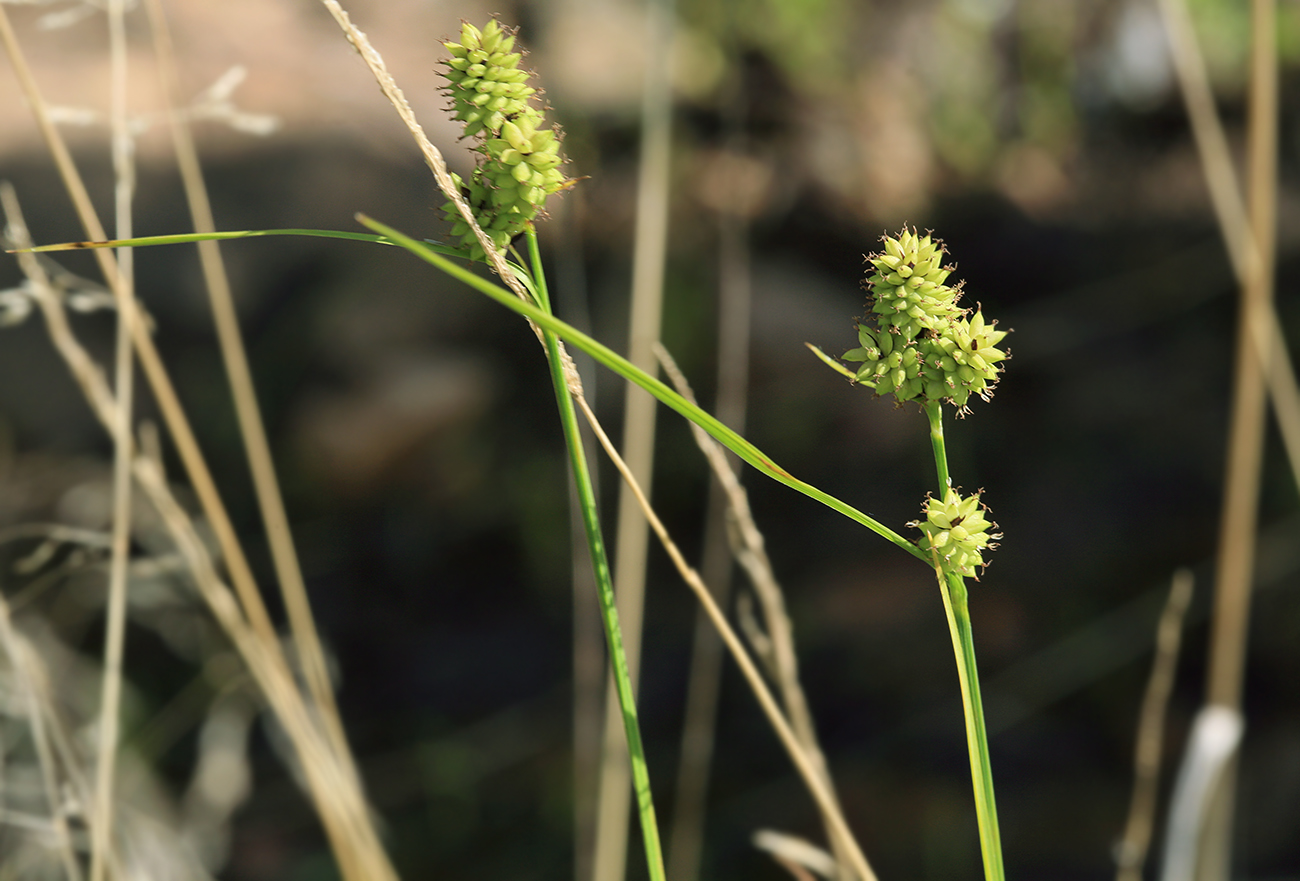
{"x":115,"y":626}
{"x":1214,"y":740}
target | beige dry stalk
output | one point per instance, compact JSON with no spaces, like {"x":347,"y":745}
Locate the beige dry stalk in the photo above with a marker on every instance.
{"x":28,"y":677}
{"x":751,"y":553}
{"x":331,"y":780}
{"x":284,"y":556}
{"x":1133,"y":847}
{"x":1251,"y":237}
{"x":1230,"y":210}
{"x":160,"y":383}
{"x":805,"y":765}
{"x":102,"y":837}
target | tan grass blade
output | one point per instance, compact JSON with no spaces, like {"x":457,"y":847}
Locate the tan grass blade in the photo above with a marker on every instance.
{"x":1230,"y":209}
{"x":333,"y":786}
{"x":26,"y":665}
{"x":283,"y":554}
{"x":159,"y":381}
{"x":1256,"y":349}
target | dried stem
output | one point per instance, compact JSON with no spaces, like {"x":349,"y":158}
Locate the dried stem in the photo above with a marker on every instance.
{"x":1133,"y":848}
{"x":1230,"y":209}
{"x":806,"y":766}
{"x":102,"y":838}
{"x":330,"y":778}
{"x":751,"y":554}
{"x":284,"y":556}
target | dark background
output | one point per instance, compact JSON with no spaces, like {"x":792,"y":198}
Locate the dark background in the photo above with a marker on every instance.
{"x":415,"y":433}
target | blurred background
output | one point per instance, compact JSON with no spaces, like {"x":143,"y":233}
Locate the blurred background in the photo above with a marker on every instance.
{"x":413,"y":422}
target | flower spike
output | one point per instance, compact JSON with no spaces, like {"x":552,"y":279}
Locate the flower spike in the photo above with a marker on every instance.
{"x":916,"y":342}
{"x":957,"y":530}
{"x":519,"y":158}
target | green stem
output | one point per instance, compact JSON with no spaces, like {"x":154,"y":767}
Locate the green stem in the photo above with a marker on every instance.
{"x":934,"y":412}
{"x":605,"y":586}
{"x":957,"y":608}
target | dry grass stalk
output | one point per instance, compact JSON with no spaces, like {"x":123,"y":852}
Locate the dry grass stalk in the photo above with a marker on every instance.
{"x":284,"y":556}
{"x":32,"y":690}
{"x":806,"y":766}
{"x":160,"y":383}
{"x":775,"y":642}
{"x":1251,"y":237}
{"x":103,"y":839}
{"x":1131,"y":852}
{"x":330,"y":778}
{"x":1230,"y":210}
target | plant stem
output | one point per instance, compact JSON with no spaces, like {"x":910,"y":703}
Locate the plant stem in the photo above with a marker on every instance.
{"x":604,"y":583}
{"x":957,"y":608}
{"x":934,"y":412}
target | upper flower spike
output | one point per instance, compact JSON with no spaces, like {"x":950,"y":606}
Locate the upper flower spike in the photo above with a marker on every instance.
{"x":519,"y":164}
{"x":917,"y":342}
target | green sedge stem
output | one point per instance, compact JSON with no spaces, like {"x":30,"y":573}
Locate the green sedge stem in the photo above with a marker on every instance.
{"x":620,"y":365}
{"x":541,"y":291}
{"x":957,"y":608}
{"x":934,"y":412}
{"x":433,"y":252}
{"x":955,"y":604}
{"x":604,"y":582}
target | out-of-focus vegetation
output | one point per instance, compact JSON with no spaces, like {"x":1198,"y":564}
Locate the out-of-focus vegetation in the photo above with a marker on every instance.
{"x":413,"y":424}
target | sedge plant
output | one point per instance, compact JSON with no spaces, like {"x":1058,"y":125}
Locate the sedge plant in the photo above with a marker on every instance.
{"x":917,"y":344}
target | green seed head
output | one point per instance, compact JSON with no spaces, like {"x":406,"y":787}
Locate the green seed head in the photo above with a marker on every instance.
{"x":916,"y":341}
{"x":518,"y":156}
{"x":957,"y":531}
